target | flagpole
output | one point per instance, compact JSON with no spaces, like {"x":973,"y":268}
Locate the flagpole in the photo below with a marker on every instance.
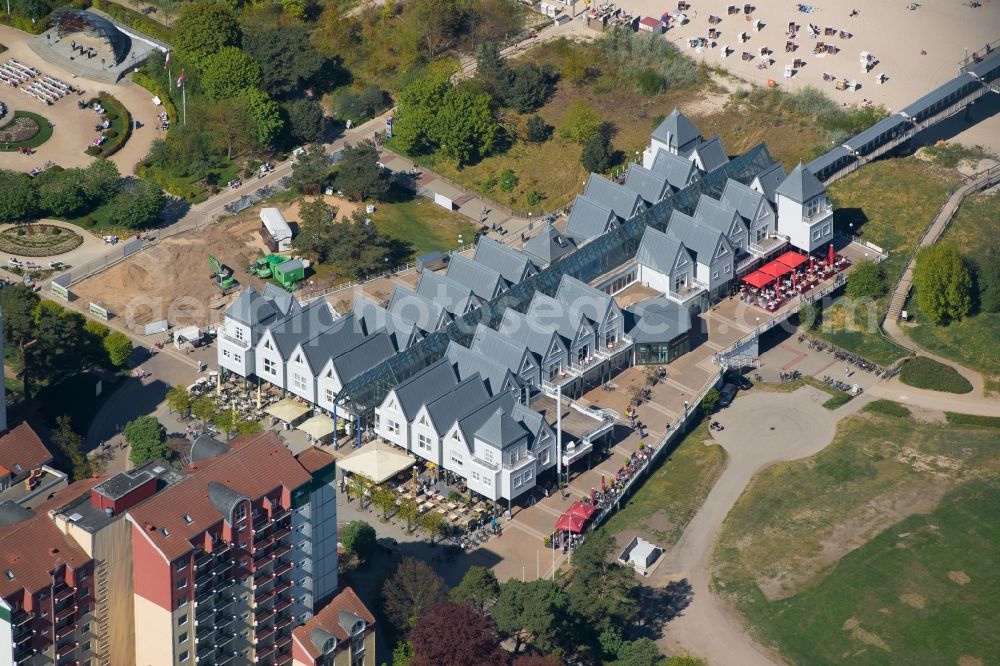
{"x":184,"y":103}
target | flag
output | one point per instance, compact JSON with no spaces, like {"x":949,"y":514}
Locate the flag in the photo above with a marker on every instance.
{"x":180,"y":80}
{"x":166,"y":61}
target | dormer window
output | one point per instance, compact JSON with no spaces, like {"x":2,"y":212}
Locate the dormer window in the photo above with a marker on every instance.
{"x":238,"y":333}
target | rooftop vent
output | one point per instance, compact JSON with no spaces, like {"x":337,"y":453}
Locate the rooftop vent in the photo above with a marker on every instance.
{"x":76,"y":517}
{"x":9,"y":574}
{"x":158,"y":470}
{"x":53,"y":551}
{"x":187,"y":518}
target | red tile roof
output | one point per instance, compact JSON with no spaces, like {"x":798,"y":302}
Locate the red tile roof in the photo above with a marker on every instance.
{"x":256,"y":465}
{"x":328,"y":618}
{"x":30,"y":550}
{"x":21,"y":448}
{"x":314,"y":459}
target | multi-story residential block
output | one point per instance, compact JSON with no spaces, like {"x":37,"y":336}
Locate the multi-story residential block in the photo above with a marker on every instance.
{"x":46,"y":592}
{"x":228,"y":560}
{"x":342,"y":633}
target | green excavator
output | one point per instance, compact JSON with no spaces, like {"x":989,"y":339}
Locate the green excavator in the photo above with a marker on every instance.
{"x":222,"y":275}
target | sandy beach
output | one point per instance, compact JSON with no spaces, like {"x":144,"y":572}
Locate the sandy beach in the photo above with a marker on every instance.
{"x":894,"y":34}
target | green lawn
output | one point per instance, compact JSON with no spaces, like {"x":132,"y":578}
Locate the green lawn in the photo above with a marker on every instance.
{"x":887,"y":408}
{"x":669,"y":498}
{"x":926,"y":373}
{"x":44,"y":132}
{"x":838,"y":400}
{"x":825,"y":560}
{"x":891,"y":203}
{"x":424,"y":224}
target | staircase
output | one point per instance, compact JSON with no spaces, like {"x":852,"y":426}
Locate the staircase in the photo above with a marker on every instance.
{"x":101,"y":612}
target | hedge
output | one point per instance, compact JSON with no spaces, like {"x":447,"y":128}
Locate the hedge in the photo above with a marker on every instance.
{"x":135,"y":20}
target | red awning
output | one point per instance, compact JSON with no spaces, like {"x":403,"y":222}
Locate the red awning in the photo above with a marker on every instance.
{"x":775,"y":269}
{"x":570,"y":523}
{"x":758,"y":279}
{"x":581,"y":509}
{"x":792,"y":259}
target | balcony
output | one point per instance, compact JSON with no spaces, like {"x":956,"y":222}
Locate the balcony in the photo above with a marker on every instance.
{"x":282,"y":605}
{"x":204,"y":631}
{"x":21,"y":619}
{"x":203,"y":560}
{"x":65,"y":613}
{"x":282,"y":568}
{"x":488,"y":465}
{"x":66,"y":649}
{"x":65,"y":631}
{"x":265,"y":652}
{"x":264,"y":616}
{"x":263,"y":578}
{"x":25,"y":637}
{"x":284,"y":621}
{"x":767,"y":245}
{"x":282,"y":533}
{"x":283,"y":586}
{"x":242,"y":344}
{"x":265,"y":597}
{"x":612,"y":348}
{"x":523,"y":461}
{"x":823,"y":212}
{"x":223,"y":640}
{"x":64,"y":593}
{"x":281,"y":551}
{"x":283,"y":641}
{"x":265,"y":635}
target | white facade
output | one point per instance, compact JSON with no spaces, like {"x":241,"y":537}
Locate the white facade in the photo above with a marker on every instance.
{"x":676,"y":283}
{"x":236,"y":347}
{"x":268,"y":361}
{"x":392,"y":425}
{"x":277,"y":227}
{"x":301,"y":378}
{"x":764,"y":223}
{"x":809,"y":226}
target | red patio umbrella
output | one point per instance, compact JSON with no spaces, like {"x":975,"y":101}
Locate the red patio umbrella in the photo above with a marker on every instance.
{"x":602,"y":483}
{"x":758,"y":279}
{"x":581,"y":510}
{"x":811,"y":260}
{"x":831,"y":255}
{"x":570,"y":523}
{"x":775,"y":269}
{"x":791,"y":259}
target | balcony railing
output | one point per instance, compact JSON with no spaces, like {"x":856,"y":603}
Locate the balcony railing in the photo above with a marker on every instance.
{"x":21,"y":619}
{"x":242,"y":344}
{"x":281,"y":550}
{"x":265,"y":635}
{"x":282,"y":605}
{"x":282,"y":568}
{"x":824,"y":211}
{"x":64,"y":593}
{"x":64,"y":650}
{"x":525,"y":460}
{"x":264,"y":616}
{"x":282,"y":533}
{"x":266,"y":597}
{"x":65,"y":613}
{"x":488,"y":465}
{"x":613,"y":348}
{"x":65,"y":631}
{"x":282,"y":587}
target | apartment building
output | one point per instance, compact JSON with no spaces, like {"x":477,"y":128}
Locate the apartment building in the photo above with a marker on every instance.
{"x":26,"y":476}
{"x":229,"y":559}
{"x":342,"y":633}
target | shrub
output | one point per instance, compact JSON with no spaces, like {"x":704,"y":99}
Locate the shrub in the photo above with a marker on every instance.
{"x":110,"y":133}
{"x":837,"y":401}
{"x":866,"y":280}
{"x":537,"y":130}
{"x":649,"y":81}
{"x":710,"y":401}
{"x":89,"y":221}
{"x":534,"y":197}
{"x":886,"y":408}
{"x":926,"y":373}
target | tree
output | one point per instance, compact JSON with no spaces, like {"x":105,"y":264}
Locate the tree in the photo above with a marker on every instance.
{"x":203,"y":29}
{"x":525,"y":87}
{"x":866,"y":280}
{"x":987,"y":272}
{"x":943,"y":282}
{"x":409,"y":510}
{"x":179,"y":399}
{"x":288,"y":60}
{"x":60,"y":191}
{"x":230,"y":125}
{"x":358,"y":538}
{"x":17,"y":197}
{"x":359,"y":174}
{"x":225,"y":421}
{"x":597,"y":155}
{"x":464,"y":128}
{"x":451,"y":634}
{"x":537,"y":130}
{"x":304,"y":120}
{"x":490,"y":65}
{"x":479,"y":588}
{"x":581,"y":123}
{"x":417,"y":110}
{"x":310,"y":169}
{"x":508,"y":180}
{"x":244,"y":426}
{"x":204,"y":409}
{"x":384,"y":499}
{"x":711,"y":401}
{"x":532,"y":611}
{"x":263,"y":113}
{"x":60,"y":336}
{"x":640,"y":652}
{"x":101,"y":182}
{"x":138,"y":204}
{"x":602,"y":593}
{"x":146,"y":436}
{"x":70,"y":445}
{"x":535,"y":660}
{"x":168,"y":8}
{"x":227,"y":73}
{"x":402,"y":654}
{"x":432,"y":523}
{"x":19,"y":304}
{"x":410,"y":592}
{"x":119,"y":348}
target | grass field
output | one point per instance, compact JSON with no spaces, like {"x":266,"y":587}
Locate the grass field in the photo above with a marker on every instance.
{"x":973,"y":341}
{"x":926,"y":373}
{"x":890,"y":203}
{"x":887,"y":408}
{"x":425,"y":225}
{"x":879,"y":549}
{"x":669,"y":498}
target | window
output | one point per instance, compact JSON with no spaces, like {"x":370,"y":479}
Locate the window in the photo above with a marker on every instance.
{"x":543,"y":457}
{"x":715,"y":275}
{"x":182,"y":565}
{"x":85,"y":629}
{"x":240,"y":513}
{"x":488,"y":455}
{"x":527,"y":475}
{"x":183,"y":656}
{"x":391,"y":427}
{"x":182,"y":583}
{"x":827,"y":228}
{"x":516,"y":481}
{"x":238,"y":358}
{"x":182,"y":638}
{"x":487,"y":481}
{"x":456,"y":459}
{"x":298,"y":382}
{"x":238,"y":333}
{"x":816,"y":234}
{"x":181,"y":601}
{"x":226,"y":353}
{"x":267,"y":345}
{"x":84,"y":575}
{"x":424,"y":442}
{"x":182,"y":620}
{"x":269,"y":367}
{"x":475,"y":476}
{"x":729,"y":269}
{"x":328,"y":394}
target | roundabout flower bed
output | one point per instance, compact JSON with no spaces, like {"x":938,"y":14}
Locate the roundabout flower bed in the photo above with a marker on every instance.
{"x":38,"y":240}
{"x":24,"y":130}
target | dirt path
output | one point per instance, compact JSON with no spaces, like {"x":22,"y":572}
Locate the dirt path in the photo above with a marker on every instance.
{"x":761,"y":428}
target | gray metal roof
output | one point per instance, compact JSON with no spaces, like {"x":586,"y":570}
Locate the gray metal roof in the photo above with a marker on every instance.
{"x":470,"y":423}
{"x":312,"y":320}
{"x":484,"y":282}
{"x":468,"y":363}
{"x":364,"y":356}
{"x":701,"y":240}
{"x":712,"y":154}
{"x":407,"y":305}
{"x":658,"y":250}
{"x":371,"y":315}
{"x":589,"y":219}
{"x":507,"y":261}
{"x":676,"y":130}
{"x":545,"y":312}
{"x":289,"y":266}
{"x":801,"y":185}
{"x":623,"y":201}
{"x":251,"y":309}
{"x":579,"y":296}
{"x":457,"y":403}
{"x":649,"y":185}
{"x":657,"y":319}
{"x":876,"y":132}
{"x":938,"y":95}
{"x":223,"y":498}
{"x":433,"y":381}
{"x":500,"y":430}
{"x":680,"y":171}
{"x":743,"y":198}
{"x":205,"y":447}
{"x":70,"y":21}
{"x":320,"y":637}
{"x":717,"y":215}
{"x":548,"y":245}
{"x":530,"y":420}
{"x":283,"y":301}
{"x":770,"y":179}
{"x":537,"y":336}
{"x":345,"y":333}
{"x":823,"y":162}
{"x":491,"y":344}
{"x":987,"y":68}
{"x":455,"y":297}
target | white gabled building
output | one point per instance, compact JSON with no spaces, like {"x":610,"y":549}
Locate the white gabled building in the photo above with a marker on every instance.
{"x":805,"y":214}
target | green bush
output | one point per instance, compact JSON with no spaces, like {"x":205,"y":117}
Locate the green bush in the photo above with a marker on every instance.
{"x":926,"y":373}
{"x":973,"y":420}
{"x":838,"y":400}
{"x":110,"y":133}
{"x":887,"y":408}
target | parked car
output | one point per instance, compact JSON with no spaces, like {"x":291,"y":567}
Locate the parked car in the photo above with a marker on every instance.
{"x":727,"y":394}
